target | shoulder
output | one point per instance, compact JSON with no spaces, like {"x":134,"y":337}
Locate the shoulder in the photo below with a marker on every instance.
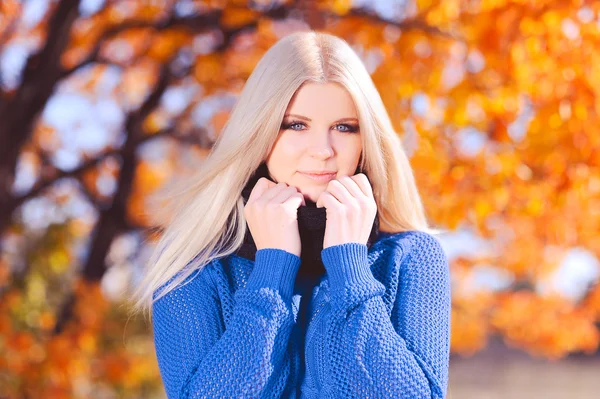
{"x":412,"y":240}
{"x":193,"y":280}
{"x":416,"y":247}
{"x":188,"y":306}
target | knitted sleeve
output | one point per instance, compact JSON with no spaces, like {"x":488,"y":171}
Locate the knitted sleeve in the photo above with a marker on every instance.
{"x":369,"y":353}
{"x":249,"y":359}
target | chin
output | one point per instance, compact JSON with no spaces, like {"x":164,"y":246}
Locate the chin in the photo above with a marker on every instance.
{"x":312,"y":195}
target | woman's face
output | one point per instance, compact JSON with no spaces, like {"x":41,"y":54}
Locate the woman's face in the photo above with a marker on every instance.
{"x":319,"y":133}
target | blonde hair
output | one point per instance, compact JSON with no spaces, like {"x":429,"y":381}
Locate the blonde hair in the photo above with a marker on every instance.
{"x":205,"y":212}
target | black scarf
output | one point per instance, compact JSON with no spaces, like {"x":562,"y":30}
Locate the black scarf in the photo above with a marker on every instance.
{"x":311,"y":227}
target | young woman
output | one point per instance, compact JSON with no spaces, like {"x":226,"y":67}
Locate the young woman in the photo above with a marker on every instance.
{"x":298,"y":261}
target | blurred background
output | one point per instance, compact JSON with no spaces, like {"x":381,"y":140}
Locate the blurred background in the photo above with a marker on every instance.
{"x":497,"y":102}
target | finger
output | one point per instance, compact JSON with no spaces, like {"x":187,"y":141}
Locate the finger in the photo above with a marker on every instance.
{"x":300,"y":194}
{"x":283,"y":195}
{"x":288,"y":192}
{"x":327,"y":200}
{"x":364,"y":184}
{"x":261,"y":186}
{"x":296,"y":200}
{"x":352,"y":187}
{"x":340,"y":192}
{"x":303,"y":200}
{"x":272,"y":192}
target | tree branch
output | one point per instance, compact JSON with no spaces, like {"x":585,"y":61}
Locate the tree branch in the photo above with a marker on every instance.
{"x":196,"y":23}
{"x":38,"y":81}
{"x":416,"y":23}
{"x":9,"y":30}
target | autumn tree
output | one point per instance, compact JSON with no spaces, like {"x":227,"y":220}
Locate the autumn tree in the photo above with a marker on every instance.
{"x":495,"y":101}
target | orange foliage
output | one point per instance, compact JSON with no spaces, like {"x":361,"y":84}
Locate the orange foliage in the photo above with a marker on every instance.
{"x":90,"y":351}
{"x":517,"y":72}
{"x":548,"y":326}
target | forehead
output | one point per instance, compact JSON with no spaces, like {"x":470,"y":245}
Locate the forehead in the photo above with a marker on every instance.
{"x":322,"y":101}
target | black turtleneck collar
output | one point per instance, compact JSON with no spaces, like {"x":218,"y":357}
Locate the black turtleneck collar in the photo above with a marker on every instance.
{"x":311,"y":227}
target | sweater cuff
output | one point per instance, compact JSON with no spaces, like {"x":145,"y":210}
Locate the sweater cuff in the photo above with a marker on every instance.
{"x":347,"y":265}
{"x":274,"y":268}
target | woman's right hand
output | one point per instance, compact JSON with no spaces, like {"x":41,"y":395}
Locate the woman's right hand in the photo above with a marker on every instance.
{"x":272,"y":215}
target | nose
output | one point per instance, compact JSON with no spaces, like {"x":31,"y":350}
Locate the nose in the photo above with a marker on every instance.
{"x":320,"y":147}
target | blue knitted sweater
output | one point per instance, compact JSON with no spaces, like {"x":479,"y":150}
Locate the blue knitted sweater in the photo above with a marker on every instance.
{"x":378,"y":325}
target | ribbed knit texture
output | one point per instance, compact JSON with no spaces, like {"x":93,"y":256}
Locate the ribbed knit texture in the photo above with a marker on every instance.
{"x":378,"y":325}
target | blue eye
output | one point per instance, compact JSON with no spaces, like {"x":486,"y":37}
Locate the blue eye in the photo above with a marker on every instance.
{"x":351,"y":128}
{"x":348,"y":128}
{"x":294,"y":124}
{"x":289,"y":125}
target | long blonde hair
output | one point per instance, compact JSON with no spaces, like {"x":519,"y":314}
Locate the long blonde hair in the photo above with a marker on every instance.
{"x":206,"y":211}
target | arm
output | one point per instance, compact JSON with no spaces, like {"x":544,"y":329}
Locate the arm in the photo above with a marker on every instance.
{"x":250,"y":357}
{"x":375,"y":355}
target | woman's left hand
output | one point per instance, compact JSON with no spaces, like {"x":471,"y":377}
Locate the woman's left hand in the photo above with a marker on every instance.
{"x":351,"y":210}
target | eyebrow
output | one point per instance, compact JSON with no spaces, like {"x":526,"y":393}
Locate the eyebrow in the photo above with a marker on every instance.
{"x":310,"y":120}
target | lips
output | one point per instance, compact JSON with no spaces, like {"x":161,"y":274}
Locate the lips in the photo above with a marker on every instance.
{"x":326,"y":172}
{"x":321,"y":177}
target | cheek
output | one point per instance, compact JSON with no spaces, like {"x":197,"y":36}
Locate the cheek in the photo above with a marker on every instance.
{"x":284,"y":158}
{"x":287,"y":147}
{"x":348,"y":154}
